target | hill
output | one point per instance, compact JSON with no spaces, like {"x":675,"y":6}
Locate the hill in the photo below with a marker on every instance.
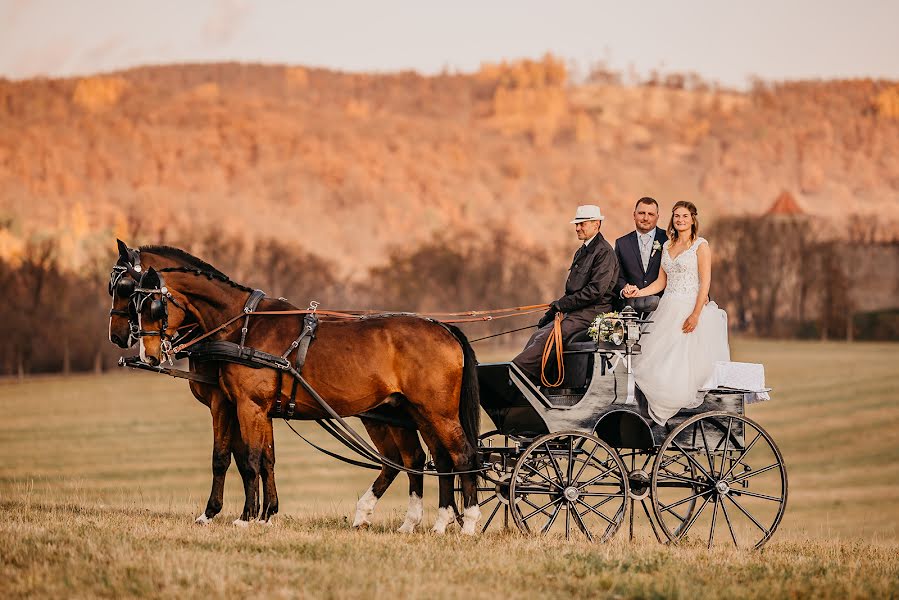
{"x":348,"y":165}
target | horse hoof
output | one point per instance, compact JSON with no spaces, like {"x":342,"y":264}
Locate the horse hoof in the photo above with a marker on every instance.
{"x":203,"y":520}
{"x":362,"y":526}
{"x":241,"y":523}
{"x":406,"y":528}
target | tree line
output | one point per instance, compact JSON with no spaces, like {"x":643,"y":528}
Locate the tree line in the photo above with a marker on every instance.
{"x":777,"y":276}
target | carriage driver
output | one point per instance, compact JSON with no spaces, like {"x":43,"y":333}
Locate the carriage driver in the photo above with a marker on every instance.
{"x":588,"y":289}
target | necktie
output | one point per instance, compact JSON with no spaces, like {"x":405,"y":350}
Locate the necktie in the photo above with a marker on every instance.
{"x":644,"y":251}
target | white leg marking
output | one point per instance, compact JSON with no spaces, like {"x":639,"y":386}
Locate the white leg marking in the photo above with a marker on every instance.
{"x":241,"y":524}
{"x":470,"y":518}
{"x":203,"y":520}
{"x":365,"y":508}
{"x":413,"y":514}
{"x":445,"y":516}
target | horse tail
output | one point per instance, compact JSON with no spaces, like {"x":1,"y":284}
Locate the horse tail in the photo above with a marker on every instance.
{"x":470,"y":395}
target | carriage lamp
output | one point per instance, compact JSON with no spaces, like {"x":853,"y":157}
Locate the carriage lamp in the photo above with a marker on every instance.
{"x":629,"y":318}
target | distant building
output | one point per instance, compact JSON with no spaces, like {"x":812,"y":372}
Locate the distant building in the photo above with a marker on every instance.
{"x":785,"y":205}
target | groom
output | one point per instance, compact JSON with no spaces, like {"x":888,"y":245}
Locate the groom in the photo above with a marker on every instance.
{"x":640,"y":252}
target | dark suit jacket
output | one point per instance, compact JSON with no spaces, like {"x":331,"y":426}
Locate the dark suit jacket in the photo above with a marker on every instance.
{"x":589,"y":289}
{"x":628,"y":251}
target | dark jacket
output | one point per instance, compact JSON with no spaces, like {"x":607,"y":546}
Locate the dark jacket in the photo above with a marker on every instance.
{"x":627,"y":248}
{"x":591,"y":281}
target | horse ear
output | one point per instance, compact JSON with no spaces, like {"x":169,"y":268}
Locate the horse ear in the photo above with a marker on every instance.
{"x":150,"y":279}
{"x":123,"y":249}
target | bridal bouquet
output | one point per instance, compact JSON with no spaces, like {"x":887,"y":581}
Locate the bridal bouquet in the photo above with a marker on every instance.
{"x":607,"y":327}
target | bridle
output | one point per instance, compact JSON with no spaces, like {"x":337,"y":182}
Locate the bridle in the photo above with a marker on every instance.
{"x":122,"y":283}
{"x":158,"y":311}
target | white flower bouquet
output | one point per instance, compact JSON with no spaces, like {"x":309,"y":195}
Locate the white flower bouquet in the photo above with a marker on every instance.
{"x":607,"y":327}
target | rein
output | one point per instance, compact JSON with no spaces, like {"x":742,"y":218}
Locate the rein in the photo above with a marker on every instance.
{"x":553,"y":341}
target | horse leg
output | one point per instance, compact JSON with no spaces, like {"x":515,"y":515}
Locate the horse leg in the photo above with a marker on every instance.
{"x":380,"y":436}
{"x":462,"y":458}
{"x":222,"y":430}
{"x":413,"y":458}
{"x":267,"y":468}
{"x":254,"y":424}
{"x":446,"y":504}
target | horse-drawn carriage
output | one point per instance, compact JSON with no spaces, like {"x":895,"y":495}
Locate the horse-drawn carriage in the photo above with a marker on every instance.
{"x":576,"y":458}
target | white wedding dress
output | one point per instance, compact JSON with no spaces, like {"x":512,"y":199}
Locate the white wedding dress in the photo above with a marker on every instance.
{"x":673,"y":365}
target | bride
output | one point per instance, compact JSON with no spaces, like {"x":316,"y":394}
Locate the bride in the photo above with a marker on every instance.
{"x":689,"y":333}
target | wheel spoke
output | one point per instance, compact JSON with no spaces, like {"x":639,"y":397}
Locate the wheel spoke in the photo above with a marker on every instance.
{"x":692,"y":482}
{"x":603,"y":494}
{"x":552,"y":460}
{"x":570,"y":457}
{"x":651,"y":521}
{"x":552,"y":520}
{"x":693,"y":518}
{"x":668,"y":507}
{"x":746,"y":476}
{"x":730,"y":421}
{"x":490,"y":518}
{"x":487,"y":501}
{"x":600,"y":476}
{"x":712,"y":530}
{"x":567,"y":523}
{"x":593,"y":510}
{"x":742,"y":454}
{"x":692,"y":460}
{"x":547,"y":479}
{"x":705,"y":446}
{"x":729,"y":527}
{"x":586,"y":462}
{"x":541,"y":509}
{"x":751,"y":518}
{"x":756,"y":495}
{"x":583,"y":526}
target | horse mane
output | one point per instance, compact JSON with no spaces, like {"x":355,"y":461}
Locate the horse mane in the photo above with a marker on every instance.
{"x":194,"y":265}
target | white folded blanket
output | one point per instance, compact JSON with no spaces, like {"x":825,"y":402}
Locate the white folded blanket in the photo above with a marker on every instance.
{"x":748,"y":378}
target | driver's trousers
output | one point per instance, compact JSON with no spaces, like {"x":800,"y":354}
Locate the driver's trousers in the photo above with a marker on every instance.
{"x":531,"y":357}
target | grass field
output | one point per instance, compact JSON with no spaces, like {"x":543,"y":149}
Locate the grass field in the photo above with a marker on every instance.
{"x":102,"y":477}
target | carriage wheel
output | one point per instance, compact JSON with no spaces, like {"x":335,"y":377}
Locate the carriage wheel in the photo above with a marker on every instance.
{"x":638,"y":463}
{"x":730,"y":468}
{"x":569,"y":482}
{"x":494,"y":451}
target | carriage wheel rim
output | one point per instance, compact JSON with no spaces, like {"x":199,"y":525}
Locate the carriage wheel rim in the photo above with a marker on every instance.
{"x":547,"y":491}
{"x":720,"y":487}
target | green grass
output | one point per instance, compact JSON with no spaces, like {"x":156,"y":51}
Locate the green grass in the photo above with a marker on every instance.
{"x":101,"y":478}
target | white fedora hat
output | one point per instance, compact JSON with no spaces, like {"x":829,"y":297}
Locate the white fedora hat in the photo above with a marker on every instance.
{"x":587,"y":212}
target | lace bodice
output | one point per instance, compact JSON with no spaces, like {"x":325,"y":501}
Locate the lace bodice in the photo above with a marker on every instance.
{"x":683,"y":271}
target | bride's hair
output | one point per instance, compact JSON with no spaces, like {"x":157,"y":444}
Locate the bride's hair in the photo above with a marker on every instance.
{"x":694,"y":228}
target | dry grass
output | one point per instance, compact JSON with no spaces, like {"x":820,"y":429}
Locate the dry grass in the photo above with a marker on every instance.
{"x":101,"y":479}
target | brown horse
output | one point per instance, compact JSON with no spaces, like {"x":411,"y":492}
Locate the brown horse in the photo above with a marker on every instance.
{"x":425,"y":368}
{"x":400,"y":445}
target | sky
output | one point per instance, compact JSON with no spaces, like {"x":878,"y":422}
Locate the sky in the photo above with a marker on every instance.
{"x":725,"y":41}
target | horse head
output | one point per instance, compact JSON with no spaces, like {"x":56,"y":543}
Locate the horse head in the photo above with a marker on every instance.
{"x":160,"y":314}
{"x":122,"y":281}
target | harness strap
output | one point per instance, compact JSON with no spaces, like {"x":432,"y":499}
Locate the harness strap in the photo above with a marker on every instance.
{"x":252,"y":302}
{"x":301,"y":345}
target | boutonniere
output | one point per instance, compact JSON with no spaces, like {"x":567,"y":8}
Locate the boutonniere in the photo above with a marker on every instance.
{"x":656,"y":246}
